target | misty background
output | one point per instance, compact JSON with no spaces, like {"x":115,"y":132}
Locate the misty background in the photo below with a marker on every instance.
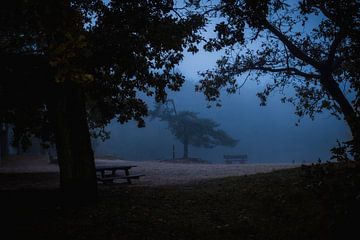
{"x":267,"y":134}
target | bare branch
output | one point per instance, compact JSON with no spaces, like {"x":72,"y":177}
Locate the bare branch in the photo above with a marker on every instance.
{"x":297,"y":52}
{"x":289,"y":70}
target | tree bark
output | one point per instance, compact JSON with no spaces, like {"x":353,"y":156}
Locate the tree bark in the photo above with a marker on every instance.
{"x":4,"y":142}
{"x":350,"y":116}
{"x":73,"y":144}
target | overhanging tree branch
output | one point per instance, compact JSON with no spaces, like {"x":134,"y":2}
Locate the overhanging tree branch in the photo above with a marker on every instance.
{"x":297,"y":52}
{"x":333,"y":47}
{"x":326,"y":13}
{"x":290,"y":70}
{"x":326,"y":79}
{"x":328,"y":52}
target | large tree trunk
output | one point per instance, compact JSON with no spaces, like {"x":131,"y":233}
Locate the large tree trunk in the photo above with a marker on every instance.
{"x":72,"y":138}
{"x":350,"y":116}
{"x":4,"y":142}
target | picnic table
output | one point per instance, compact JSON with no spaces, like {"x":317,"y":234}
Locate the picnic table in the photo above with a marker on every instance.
{"x":107,"y":174}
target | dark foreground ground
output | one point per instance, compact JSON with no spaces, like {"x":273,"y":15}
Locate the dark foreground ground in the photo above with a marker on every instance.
{"x":311,"y":202}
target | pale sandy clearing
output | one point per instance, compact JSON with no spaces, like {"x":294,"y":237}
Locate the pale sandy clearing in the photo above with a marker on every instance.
{"x":156,"y":172}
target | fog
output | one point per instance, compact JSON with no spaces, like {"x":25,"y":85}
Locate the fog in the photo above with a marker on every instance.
{"x":267,"y":134}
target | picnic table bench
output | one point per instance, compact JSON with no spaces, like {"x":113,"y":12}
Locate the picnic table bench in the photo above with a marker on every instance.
{"x":240,"y":158}
{"x":107,"y":174}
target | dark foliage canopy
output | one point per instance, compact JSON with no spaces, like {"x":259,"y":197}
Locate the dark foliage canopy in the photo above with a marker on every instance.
{"x":310,"y":45}
{"x":112,"y":51}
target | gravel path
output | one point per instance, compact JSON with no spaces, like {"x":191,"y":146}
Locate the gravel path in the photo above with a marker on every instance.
{"x":156,"y":173}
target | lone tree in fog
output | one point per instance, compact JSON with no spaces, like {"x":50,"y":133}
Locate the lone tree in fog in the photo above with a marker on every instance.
{"x":312,"y":45}
{"x":189,"y":129}
{"x":67,"y":65}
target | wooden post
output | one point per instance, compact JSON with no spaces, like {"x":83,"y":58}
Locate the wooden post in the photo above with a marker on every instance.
{"x":173,"y":151}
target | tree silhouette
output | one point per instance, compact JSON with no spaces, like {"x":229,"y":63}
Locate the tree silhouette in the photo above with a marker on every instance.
{"x":189,"y":129}
{"x":68,"y":65}
{"x":311,"y":45}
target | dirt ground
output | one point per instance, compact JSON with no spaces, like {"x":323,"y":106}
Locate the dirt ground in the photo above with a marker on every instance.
{"x":29,"y":171}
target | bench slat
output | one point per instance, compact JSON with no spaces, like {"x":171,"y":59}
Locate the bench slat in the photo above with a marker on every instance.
{"x":111,"y":168}
{"x":109,"y":178}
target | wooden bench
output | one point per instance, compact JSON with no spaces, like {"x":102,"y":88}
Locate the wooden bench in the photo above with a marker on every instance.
{"x":240,"y":158}
{"x":107,"y":174}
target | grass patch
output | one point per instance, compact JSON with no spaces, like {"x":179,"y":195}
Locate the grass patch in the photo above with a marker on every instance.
{"x":311,"y":202}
